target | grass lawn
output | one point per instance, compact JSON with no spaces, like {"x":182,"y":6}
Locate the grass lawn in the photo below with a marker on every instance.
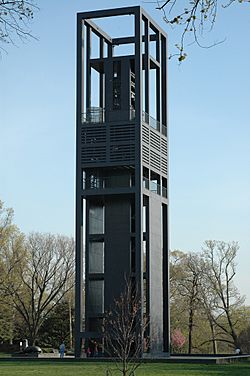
{"x":55,"y":368}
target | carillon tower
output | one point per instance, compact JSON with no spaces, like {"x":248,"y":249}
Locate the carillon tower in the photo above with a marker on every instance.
{"x":121,"y":171}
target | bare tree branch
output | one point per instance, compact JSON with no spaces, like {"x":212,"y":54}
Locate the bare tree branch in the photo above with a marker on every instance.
{"x":15,"y":20}
{"x":194,"y":17}
{"x":124,"y":331}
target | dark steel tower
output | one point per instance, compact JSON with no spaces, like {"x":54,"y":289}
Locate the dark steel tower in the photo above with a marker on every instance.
{"x":121,"y":172}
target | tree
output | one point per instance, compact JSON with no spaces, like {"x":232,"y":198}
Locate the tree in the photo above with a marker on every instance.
{"x":208,"y":302}
{"x":244,"y":340}
{"x":6,"y":217}
{"x":220,"y":269}
{"x":124,"y":332}
{"x":194,"y":17}
{"x":39,"y":283}
{"x":10,"y":238}
{"x":55,"y":329}
{"x":204,"y":303}
{"x":15,"y":18}
{"x":185,"y":284}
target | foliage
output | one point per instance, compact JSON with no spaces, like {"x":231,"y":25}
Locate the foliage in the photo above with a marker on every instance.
{"x":6,"y":321}
{"x":10,"y":238}
{"x":185,"y":283}
{"x":6,"y":216}
{"x":43,"y":266}
{"x":177,"y":340}
{"x":204,"y":303}
{"x":194,"y":17}
{"x":56,"y":327}
{"x":15,"y":18}
{"x":244,"y":340}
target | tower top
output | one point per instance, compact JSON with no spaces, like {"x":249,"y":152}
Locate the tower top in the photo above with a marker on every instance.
{"x":123,"y":11}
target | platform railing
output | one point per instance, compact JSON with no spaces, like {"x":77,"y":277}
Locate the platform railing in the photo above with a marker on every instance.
{"x":153,"y":123}
{"x":108,"y":182}
{"x":93,"y":115}
{"x":96,"y":115}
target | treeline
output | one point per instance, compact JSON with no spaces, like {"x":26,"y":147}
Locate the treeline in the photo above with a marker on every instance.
{"x":36,"y":285}
{"x":208,"y":314}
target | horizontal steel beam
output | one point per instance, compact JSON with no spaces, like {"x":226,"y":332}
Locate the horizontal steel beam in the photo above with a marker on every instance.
{"x":129,"y":40}
{"x":153,"y":24}
{"x":109,"y":12}
{"x":98,"y":31}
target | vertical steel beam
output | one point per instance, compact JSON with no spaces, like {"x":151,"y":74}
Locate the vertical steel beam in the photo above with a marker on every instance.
{"x":166,"y":306}
{"x":158,"y":79}
{"x":110,"y":50}
{"x":88,"y":69}
{"x":138,"y":155}
{"x":165,"y":276}
{"x":101,"y":88}
{"x":79,"y":219}
{"x":146,"y":66}
{"x":164,"y":79}
{"x":87,"y":206}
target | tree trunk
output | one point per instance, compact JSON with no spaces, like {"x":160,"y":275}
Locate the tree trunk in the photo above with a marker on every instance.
{"x":190,"y":330}
{"x":214,"y":342}
{"x":232,"y":331}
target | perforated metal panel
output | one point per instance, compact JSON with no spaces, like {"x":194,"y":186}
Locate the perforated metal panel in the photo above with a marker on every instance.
{"x":155,"y":140}
{"x":122,"y":142}
{"x":164,"y":146}
{"x":145,"y":154}
{"x":122,"y":153}
{"x":122,"y":133}
{"x":93,"y":154}
{"x":154,"y":149}
{"x":155,"y":160}
{"x":145,"y":134}
{"x":94,"y":134}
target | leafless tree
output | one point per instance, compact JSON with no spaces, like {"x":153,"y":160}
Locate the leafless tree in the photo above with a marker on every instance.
{"x":220,"y":268}
{"x":15,"y":20}
{"x":41,"y":278}
{"x":208,"y":301}
{"x":194,"y":17}
{"x":124,"y":332}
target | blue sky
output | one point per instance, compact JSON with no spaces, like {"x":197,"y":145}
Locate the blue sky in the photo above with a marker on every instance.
{"x":209,"y":130}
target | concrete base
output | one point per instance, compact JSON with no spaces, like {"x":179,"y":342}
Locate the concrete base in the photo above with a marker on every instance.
{"x":208,"y":359}
{"x":199,"y":359}
{"x":159,"y":355}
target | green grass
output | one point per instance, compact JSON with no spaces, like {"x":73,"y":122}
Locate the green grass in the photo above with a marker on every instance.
{"x":55,"y":368}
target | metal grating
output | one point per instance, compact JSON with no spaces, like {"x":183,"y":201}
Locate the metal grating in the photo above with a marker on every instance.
{"x":122,"y":133}
{"x":155,"y":140}
{"x":145,"y":134}
{"x":164,"y":165}
{"x":145,"y":154}
{"x":122,"y":152}
{"x":93,"y":154}
{"x":164,"y":146}
{"x":155,"y":160}
{"x":91,"y":135}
